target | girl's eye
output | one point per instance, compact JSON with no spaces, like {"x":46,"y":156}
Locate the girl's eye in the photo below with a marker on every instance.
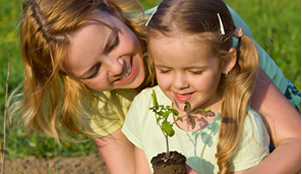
{"x":115,"y":43}
{"x":196,"y":72}
{"x":162,"y":71}
{"x":95,"y":72}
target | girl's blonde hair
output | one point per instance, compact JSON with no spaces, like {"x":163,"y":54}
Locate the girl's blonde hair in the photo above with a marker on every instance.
{"x":199,"y":17}
{"x":52,"y":100}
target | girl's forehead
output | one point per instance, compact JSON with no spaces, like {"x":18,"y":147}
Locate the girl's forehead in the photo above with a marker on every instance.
{"x":186,"y":41}
{"x":179,"y":36}
{"x":172,"y":47}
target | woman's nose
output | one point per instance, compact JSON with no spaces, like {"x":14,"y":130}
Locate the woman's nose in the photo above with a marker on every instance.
{"x":117,"y":66}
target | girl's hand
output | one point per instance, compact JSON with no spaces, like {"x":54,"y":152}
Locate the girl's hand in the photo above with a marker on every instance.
{"x":141,"y":163}
{"x":117,"y":151}
{"x":189,"y":170}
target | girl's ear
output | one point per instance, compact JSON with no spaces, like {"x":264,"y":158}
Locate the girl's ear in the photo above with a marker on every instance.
{"x":112,"y":8}
{"x":229,"y":63}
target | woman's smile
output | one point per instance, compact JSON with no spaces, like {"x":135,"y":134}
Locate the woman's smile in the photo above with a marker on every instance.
{"x":128,"y":74}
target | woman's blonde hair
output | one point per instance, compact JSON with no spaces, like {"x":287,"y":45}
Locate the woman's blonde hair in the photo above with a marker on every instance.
{"x":199,"y":17}
{"x":52,"y":102}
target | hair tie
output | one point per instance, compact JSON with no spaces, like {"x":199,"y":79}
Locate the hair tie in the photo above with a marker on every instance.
{"x":221,"y":24}
{"x":238,"y":32}
{"x":151,"y":17}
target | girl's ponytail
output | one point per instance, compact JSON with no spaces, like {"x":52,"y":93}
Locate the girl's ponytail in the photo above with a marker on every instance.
{"x":238,"y":88}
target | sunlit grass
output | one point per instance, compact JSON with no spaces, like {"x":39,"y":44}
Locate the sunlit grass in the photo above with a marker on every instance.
{"x":275,"y":19}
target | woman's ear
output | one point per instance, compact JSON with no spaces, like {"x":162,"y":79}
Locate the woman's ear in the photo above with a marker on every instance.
{"x":112,"y":7}
{"x":229,"y":62}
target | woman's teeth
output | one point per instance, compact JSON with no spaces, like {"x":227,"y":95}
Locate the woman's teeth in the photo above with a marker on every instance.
{"x":128,"y":72}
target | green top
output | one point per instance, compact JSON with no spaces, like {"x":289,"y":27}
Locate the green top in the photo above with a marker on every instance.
{"x":198,"y":146}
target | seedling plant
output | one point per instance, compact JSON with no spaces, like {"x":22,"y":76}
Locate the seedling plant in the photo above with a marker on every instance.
{"x":162,"y":114}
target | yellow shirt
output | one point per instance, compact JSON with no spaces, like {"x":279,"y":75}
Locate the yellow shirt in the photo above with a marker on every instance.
{"x":112,"y":110}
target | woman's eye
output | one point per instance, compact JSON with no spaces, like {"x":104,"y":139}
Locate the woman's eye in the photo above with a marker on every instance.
{"x":95,"y":72}
{"x":115,"y":43}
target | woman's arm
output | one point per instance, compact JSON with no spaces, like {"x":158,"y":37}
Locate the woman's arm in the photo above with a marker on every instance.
{"x":117,"y":151}
{"x":283,"y":123}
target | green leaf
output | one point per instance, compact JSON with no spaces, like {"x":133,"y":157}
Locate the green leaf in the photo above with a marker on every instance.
{"x":180,"y":119}
{"x":168,"y":128}
{"x":175,"y":112}
{"x":162,"y":107}
{"x":160,"y":113}
{"x":158,"y":119}
{"x":187,"y":107}
{"x":154,"y":98}
{"x":205,"y":112}
{"x":153,"y":109}
{"x":167,"y":113}
{"x":168,"y":107}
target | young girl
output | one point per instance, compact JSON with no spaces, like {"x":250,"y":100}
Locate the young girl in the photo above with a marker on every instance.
{"x":84,"y":64}
{"x":191,"y":45}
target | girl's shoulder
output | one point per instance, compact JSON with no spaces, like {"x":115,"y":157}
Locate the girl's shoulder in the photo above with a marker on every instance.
{"x":253,"y":117}
{"x":254,"y":123}
{"x":145,"y":94}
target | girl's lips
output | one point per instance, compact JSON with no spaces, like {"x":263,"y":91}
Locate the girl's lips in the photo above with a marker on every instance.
{"x":183,"y":97}
{"x":131,"y":68}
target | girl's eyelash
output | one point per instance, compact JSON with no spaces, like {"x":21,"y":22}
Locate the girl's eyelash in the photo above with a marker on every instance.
{"x":164,"y":71}
{"x":95,"y":72}
{"x":167,"y":71}
{"x":196,"y":72}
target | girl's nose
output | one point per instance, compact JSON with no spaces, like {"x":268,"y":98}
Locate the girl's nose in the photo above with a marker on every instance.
{"x":180,"y":81}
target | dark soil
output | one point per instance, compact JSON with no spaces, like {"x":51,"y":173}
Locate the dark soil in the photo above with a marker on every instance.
{"x":92,"y":164}
{"x":174,"y":165}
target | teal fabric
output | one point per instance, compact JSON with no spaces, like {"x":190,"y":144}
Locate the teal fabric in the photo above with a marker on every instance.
{"x":293,"y":94}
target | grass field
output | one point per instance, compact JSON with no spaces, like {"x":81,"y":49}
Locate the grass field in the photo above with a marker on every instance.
{"x":278,"y":20}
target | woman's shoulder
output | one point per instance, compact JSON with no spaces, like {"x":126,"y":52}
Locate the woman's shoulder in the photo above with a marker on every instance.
{"x":239,"y":22}
{"x":150,"y":11}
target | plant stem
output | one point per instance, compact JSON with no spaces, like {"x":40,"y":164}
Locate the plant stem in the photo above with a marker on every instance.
{"x":4,"y":119}
{"x":167,"y":143}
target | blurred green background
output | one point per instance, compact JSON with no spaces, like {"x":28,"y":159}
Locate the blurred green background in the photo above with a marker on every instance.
{"x":279,"y":20}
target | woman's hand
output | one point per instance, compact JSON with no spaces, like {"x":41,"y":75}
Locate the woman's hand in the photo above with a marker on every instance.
{"x":283,"y":123}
